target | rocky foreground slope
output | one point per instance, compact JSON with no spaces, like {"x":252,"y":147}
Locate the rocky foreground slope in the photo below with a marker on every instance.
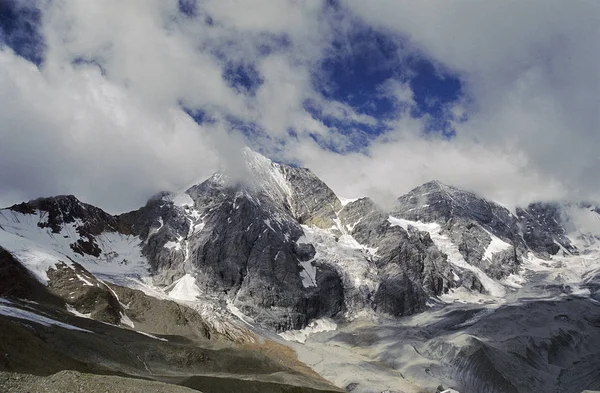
{"x":230,"y":261}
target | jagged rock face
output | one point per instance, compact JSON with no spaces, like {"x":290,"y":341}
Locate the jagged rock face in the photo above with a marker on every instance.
{"x":358,"y":210}
{"x":239,"y":241}
{"x":470,"y":238}
{"x":89,"y":220}
{"x":157,"y":212}
{"x":240,"y":245}
{"x":543,"y":228}
{"x":85,"y":293}
{"x":397,"y":294}
{"x":18,"y":282}
{"x":410,"y":266}
{"x":156,"y":224}
{"x":412,"y":270}
{"x":503,"y":263}
{"x":66,"y":209}
{"x":238,"y":235}
{"x":245,"y":242}
{"x":469,"y":221}
{"x":247,"y":252}
{"x":540,"y":227}
{"x":472,"y":241}
{"x":365,"y":220}
{"x":437,"y":202}
{"x":314,"y":203}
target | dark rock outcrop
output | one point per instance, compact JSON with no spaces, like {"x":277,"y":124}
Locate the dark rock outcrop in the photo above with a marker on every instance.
{"x":410,"y":266}
{"x":468,"y":220}
{"x":247,"y":252}
{"x":17,"y":282}
{"x":85,"y":293}
{"x":437,"y":202}
{"x":543,"y":229}
{"x":89,"y":221}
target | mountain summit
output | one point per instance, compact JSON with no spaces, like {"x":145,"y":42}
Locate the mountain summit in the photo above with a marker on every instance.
{"x":276,"y":250}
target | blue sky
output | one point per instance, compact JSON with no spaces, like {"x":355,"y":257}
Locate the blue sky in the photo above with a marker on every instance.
{"x":354,"y":71}
{"x":401,"y":92}
{"x":19,"y":29}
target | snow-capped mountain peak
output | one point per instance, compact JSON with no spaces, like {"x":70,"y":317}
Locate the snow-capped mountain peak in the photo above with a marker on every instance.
{"x":279,"y":250}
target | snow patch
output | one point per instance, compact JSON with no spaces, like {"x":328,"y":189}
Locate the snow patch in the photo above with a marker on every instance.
{"x":173,"y":245}
{"x":236,"y":311}
{"x":18,"y":313}
{"x":194,"y":214}
{"x":182,"y":200}
{"x":154,"y":230}
{"x":455,"y":276}
{"x":73,"y":311}
{"x":185,"y":289}
{"x":268,"y":223}
{"x":303,"y":239}
{"x":85,"y":282}
{"x":198,"y":228}
{"x":151,"y":336}
{"x":125,"y":320}
{"x":346,"y":201}
{"x":39,"y":249}
{"x":476,"y":318}
{"x":514,"y":281}
{"x":308,"y":274}
{"x":495,"y":246}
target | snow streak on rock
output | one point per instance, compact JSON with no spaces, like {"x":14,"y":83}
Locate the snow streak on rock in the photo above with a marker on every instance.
{"x":8,"y":309}
{"x":454,"y":256}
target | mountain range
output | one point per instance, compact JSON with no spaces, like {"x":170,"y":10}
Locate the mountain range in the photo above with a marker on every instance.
{"x":268,"y":281}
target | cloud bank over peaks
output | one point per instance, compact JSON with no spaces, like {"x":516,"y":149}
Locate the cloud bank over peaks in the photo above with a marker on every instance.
{"x":116,"y":100}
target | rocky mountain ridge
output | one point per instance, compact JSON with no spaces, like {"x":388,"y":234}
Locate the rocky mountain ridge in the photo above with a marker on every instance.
{"x":277,"y":250}
{"x":246,"y":244}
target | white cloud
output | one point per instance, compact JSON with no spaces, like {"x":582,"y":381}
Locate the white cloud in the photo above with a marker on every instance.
{"x":530,"y":73}
{"x":297,"y":18}
{"x":400,"y":92}
{"x":75,"y":132}
{"x":142,"y":47}
{"x":279,"y":98}
{"x":396,"y":165}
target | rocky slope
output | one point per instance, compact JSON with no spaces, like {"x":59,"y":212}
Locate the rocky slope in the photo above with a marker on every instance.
{"x":74,"y":382}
